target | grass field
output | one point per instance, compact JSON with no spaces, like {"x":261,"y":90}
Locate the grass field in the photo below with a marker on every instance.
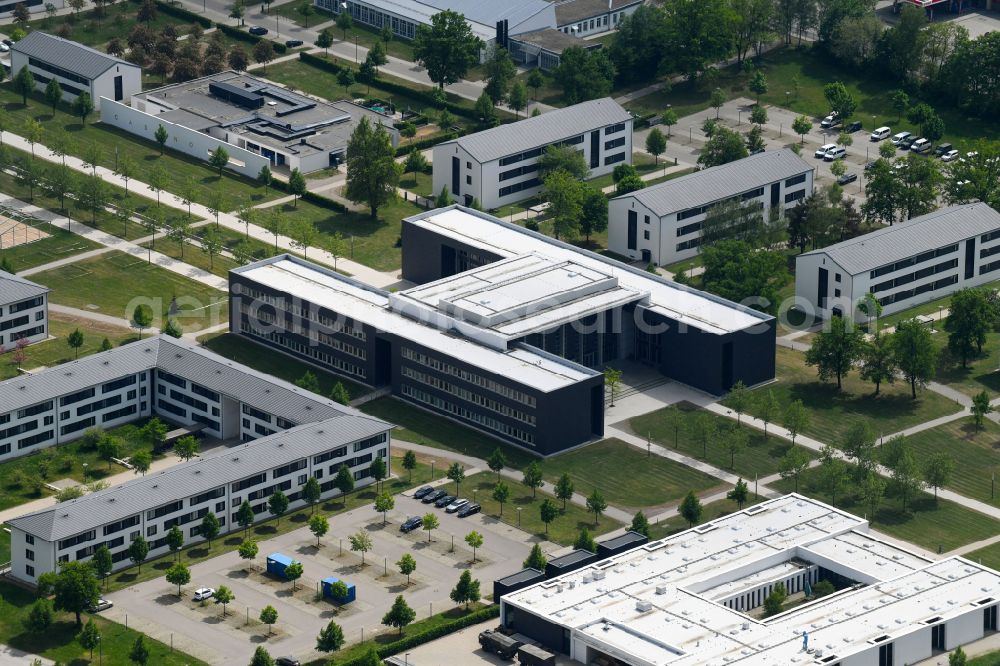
{"x":981,"y":372}
{"x":943,"y":525}
{"x":709,"y":512}
{"x":419,"y":182}
{"x":988,"y":556}
{"x":59,"y":245}
{"x":760,"y":457}
{"x":193,"y":255}
{"x":832,"y":413}
{"x":976,"y":454}
{"x":563,"y":530}
{"x":59,"y":642}
{"x":989,"y":659}
{"x":93,"y":29}
{"x":626,"y":476}
{"x":274,"y":363}
{"x":112,"y":283}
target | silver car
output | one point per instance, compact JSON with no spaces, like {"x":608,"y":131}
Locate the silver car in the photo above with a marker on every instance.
{"x":456,"y":505}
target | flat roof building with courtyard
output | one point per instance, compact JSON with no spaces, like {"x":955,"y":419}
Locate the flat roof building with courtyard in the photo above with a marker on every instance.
{"x":903,"y":265}
{"x":662,"y":223}
{"x":507,"y":331}
{"x":76,"y":67}
{"x":24,"y":312}
{"x":256,"y":121}
{"x":499,"y":166}
{"x":696,"y":598}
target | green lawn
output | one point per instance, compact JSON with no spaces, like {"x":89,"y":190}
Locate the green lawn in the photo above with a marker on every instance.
{"x":59,"y":642}
{"x":270,"y":362}
{"x":989,"y":659}
{"x":59,"y":245}
{"x":421,"y":427}
{"x":709,"y":512}
{"x":112,"y":283}
{"x":642,"y":162}
{"x":194,"y":256}
{"x":366,"y":37}
{"x":626,"y":476}
{"x":976,"y":454}
{"x":943,"y":525}
{"x":421,"y":183}
{"x":832,"y":413}
{"x":761,"y":456}
{"x":96,"y":30}
{"x":563,"y":530}
{"x":980,"y":374}
{"x":54,"y":352}
{"x":988,"y":556}
{"x":669,"y":176}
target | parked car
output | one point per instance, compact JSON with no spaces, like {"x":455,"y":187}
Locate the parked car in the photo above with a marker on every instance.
{"x":432,"y":497}
{"x":292,"y":43}
{"x":907,"y":142}
{"x":881,"y":133}
{"x":422,"y":492}
{"x":444,"y":501}
{"x":4,"y":48}
{"x":830,"y":120}
{"x":456,"y":505}
{"x":411,"y":524}
{"x":943,"y":148}
{"x":950,"y":156}
{"x":101,"y":605}
{"x":870,"y":165}
{"x":835,"y":153}
{"x":8,"y":42}
{"x":822,"y":150}
{"x":900,"y":137}
{"x":847,"y":179}
{"x":257,"y":30}
{"x":203,"y":593}
{"x":287,"y":661}
{"x":468,"y":510}
{"x":853,"y":127}
{"x":921,"y":145}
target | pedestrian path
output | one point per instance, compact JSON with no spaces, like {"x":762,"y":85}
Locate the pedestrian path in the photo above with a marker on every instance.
{"x":102,"y":318}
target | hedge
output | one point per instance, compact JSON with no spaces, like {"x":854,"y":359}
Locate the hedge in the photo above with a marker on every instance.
{"x":427,"y":142}
{"x":412,"y":641}
{"x":244,"y":36}
{"x":179,"y":12}
{"x":324,"y":202}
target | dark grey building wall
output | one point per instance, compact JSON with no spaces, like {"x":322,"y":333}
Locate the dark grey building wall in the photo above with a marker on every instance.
{"x":547,"y":633}
{"x":428,"y":256}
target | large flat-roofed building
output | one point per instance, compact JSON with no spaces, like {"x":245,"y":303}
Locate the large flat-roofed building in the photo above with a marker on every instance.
{"x":499,"y":166}
{"x":903,"y":265}
{"x":76,"y":67}
{"x":257,"y":122}
{"x":662,"y":224}
{"x":24,"y":311}
{"x":507,"y":330}
{"x":583,"y":18}
{"x":696,"y":598}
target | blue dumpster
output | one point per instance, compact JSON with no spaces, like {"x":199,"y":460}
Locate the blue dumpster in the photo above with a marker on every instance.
{"x":277,"y":563}
{"x":328,"y":590}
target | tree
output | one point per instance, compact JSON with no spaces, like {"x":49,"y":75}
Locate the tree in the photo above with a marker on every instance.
{"x":930,"y":123}
{"x":796,"y":419}
{"x":83,"y":106}
{"x":109,"y":448}
{"x":584,"y":541}
{"x":774,"y":602}
{"x":914,"y":353}
{"x":501,"y":493}
{"x":548,"y":512}
{"x":186,"y":447}
{"x":792,"y":464}
{"x":224,"y":596}
{"x":981,"y":407}
{"x":75,"y":588}
{"x":378,"y":470}
{"x":410,"y":463}
{"x":24,"y":84}
{"x":475,"y":540}
{"x":344,"y":481}
{"x":640,"y":524}
{"x":716,"y":100}
{"x":141,"y":461}
{"x":485,"y":111}
{"x":734,"y":270}
{"x":584,"y":74}
{"x":836,"y":350}
{"x":261,"y":657}
{"x":430,"y":523}
{"x":498,"y":73}
{"x":325,"y":39}
{"x":308,"y":381}
{"x":142,"y":317}
{"x":446,"y":48}
{"x":690,"y":509}
{"x":210,"y":527}
{"x":372,"y":171}
{"x":297,"y":184}
{"x":535,"y":81}
{"x":219,"y":159}
{"x":456,"y":473}
{"x":331,"y":638}
{"x":612,"y":380}
{"x":802,"y":126}
{"x":178,"y":575}
{"x":536,"y":559}
{"x":138,"y":551}
{"x":61,"y":180}
{"x":758,"y":85}
{"x":871,"y":491}
{"x":161,"y":137}
{"x":656,"y":143}
{"x":768,"y":408}
{"x":383,"y":504}
{"x":339,"y":392}
{"x":900,"y":102}
{"x":564,"y":489}
{"x":740,"y":493}
{"x":497,"y":461}
{"x":562,"y":158}
{"x":75,"y":341}
{"x":466,"y":591}
{"x":533,"y":477}
{"x":832,"y":474}
{"x":597,"y":505}
{"x":758,"y":115}
{"x":724,"y":146}
{"x":344,"y":22}
{"x":735,"y":441}
{"x":407,"y":565}
{"x":39,"y":618}
{"x":277,"y":504}
{"x":53,"y":94}
{"x":293,"y":572}
{"x":139,"y":654}
{"x":517,"y":98}
{"x":906,"y":476}
{"x":400,"y":614}
{"x":248,"y":549}
{"x":969,"y":321}
{"x":102,"y":562}
{"x":840,"y":100}
{"x":105,"y":345}
{"x":245,"y":517}
{"x":211,"y":244}
{"x":269,"y":615}
{"x":89,"y":638}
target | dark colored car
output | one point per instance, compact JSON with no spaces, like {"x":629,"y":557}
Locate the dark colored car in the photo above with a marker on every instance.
{"x":422,"y":492}
{"x":411,"y":524}
{"x":468,"y":510}
{"x":432,"y":497}
{"x":444,"y":501}
{"x":292,"y":43}
{"x":287,"y":661}
{"x":870,"y":165}
{"x":8,"y":42}
{"x":847,"y":178}
{"x":907,"y":142}
{"x":257,"y":30}
{"x":943,"y":148}
{"x":853,"y":127}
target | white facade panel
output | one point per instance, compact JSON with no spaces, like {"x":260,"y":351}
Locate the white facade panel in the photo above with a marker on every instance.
{"x":24,"y":319}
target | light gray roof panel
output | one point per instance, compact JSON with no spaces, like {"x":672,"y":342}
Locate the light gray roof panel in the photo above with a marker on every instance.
{"x":906,"y":239}
{"x":572,"y":11}
{"x":14,"y":288}
{"x":720,"y":182}
{"x":197,"y":476}
{"x":542,"y":130}
{"x":67,"y":54}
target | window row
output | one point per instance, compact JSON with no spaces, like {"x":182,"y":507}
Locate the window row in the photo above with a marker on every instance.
{"x":916,"y":275}
{"x":461,"y":412}
{"x":466,"y":395}
{"x":306,"y":350}
{"x":912,"y":261}
{"x":471,"y":377}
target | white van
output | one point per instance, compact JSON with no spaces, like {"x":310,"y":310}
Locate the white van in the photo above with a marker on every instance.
{"x":900,"y":138}
{"x":881,"y":133}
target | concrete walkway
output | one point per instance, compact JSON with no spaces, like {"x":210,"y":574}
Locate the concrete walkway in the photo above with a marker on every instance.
{"x":101,"y":318}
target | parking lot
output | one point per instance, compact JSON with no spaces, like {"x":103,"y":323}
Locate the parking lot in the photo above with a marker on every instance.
{"x":154,"y":608}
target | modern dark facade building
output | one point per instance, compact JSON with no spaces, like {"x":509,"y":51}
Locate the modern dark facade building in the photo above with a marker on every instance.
{"x":507,"y":330}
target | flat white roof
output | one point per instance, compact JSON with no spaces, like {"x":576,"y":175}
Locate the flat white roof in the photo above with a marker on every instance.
{"x":370,"y":306}
{"x":654,"y":605}
{"x":688,"y":306}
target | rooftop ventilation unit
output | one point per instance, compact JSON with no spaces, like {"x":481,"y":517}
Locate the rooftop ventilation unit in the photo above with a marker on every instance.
{"x":643,"y":606}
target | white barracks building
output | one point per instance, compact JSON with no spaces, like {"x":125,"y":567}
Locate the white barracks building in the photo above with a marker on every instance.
{"x":24,"y":313}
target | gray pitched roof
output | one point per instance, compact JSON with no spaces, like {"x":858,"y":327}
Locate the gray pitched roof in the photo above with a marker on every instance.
{"x":720,"y":182}
{"x":215,"y":469}
{"x":67,"y":54}
{"x":542,"y":130}
{"x":946,"y":226}
{"x":14,"y":288}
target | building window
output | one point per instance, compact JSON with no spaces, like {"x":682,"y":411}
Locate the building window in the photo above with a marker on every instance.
{"x":836,"y":293}
{"x":28,"y":539}
{"x":29,"y":555}
{"x":151,"y":530}
{"x":30,"y":570}
{"x":645,"y":234}
{"x":836,"y":277}
{"x":468,"y":165}
{"x":468,"y":180}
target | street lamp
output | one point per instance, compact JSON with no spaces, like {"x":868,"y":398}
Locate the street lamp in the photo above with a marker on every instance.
{"x":432,"y":470}
{"x":518,"y":516}
{"x":277,"y":24}
{"x":85,"y":472}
